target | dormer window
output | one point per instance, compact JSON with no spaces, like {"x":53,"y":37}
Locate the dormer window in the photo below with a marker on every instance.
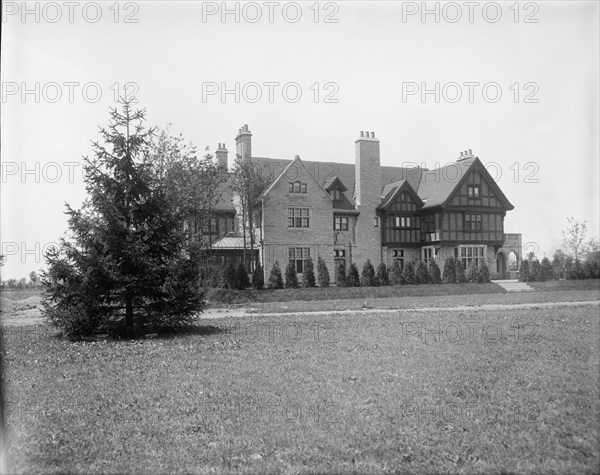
{"x":336,"y":195}
{"x":298,"y":187}
{"x":473,"y":191}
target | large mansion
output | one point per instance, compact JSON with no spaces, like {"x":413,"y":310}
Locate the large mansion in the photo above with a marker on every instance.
{"x":354,"y":212}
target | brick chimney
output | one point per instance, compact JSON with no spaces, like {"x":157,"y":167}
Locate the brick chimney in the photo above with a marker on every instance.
{"x":221,"y":154}
{"x":243,"y":142}
{"x":367,"y":192}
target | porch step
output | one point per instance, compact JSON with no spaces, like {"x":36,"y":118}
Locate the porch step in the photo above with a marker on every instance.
{"x":513,"y":285}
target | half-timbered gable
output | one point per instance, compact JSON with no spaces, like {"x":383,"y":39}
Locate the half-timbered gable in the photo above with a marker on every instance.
{"x":399,"y":215}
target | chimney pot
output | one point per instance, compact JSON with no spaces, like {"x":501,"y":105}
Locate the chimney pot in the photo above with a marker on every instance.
{"x":296,"y":156}
{"x":362,"y":134}
{"x":470,"y":152}
{"x":372,"y":135}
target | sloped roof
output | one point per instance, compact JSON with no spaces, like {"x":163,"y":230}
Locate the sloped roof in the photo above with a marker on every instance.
{"x":390,"y":191}
{"x":323,"y":171}
{"x":437,"y":185}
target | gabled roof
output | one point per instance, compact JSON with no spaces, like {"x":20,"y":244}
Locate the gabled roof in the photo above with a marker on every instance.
{"x":438,"y":186}
{"x":283,"y":173}
{"x":344,"y":171}
{"x":334,"y":183}
{"x":391,"y":191}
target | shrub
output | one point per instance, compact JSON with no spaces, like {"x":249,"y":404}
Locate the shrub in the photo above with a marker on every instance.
{"x":291,"y":278}
{"x":308,"y":274}
{"x":241,"y":277}
{"x":484,"y":273}
{"x":275,"y":279}
{"x":460,"y":271}
{"x":422,"y":273}
{"x":524,"y":271}
{"x":322,"y":273}
{"x":368,"y":275}
{"x":409,"y":276}
{"x":450,"y":270}
{"x":592,"y":265}
{"x":258,"y":277}
{"x":569,"y":268}
{"x":578,"y":271}
{"x":352,"y":279}
{"x":434,"y":273}
{"x":229,"y":278}
{"x":382,"y":274}
{"x":395,"y":275}
{"x":558,"y":265}
{"x":472,"y":273}
{"x":210,"y":276}
{"x":340,"y":274}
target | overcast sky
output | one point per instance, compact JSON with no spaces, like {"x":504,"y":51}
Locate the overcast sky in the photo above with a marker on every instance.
{"x":518,"y":84}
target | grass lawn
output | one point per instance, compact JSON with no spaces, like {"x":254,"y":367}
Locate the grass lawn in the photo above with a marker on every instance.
{"x":226,"y":296}
{"x":564,"y":285}
{"x":461,"y":392}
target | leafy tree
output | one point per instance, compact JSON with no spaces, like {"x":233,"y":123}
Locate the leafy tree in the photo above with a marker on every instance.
{"x":22,"y":283}
{"x":535,"y":270}
{"x":524,"y":272}
{"x":450,"y":270}
{"x":308,"y":274}
{"x":460,"y":271}
{"x":382,"y":274}
{"x":484,"y":273}
{"x":11,"y":284}
{"x":578,"y":271}
{"x":241,"y":277}
{"x":275,"y":279}
{"x":573,"y":237}
{"x":340,"y":274}
{"x":368,"y":274}
{"x":125,"y":269}
{"x":33,"y":278}
{"x":395,"y":274}
{"x":472,"y":273}
{"x":434,"y":272}
{"x":291,"y":278}
{"x":352,"y":279}
{"x":248,"y":184}
{"x":322,"y":273}
{"x":258,"y":278}
{"x":592,"y":267}
{"x":409,"y":276}
{"x":422,"y":273}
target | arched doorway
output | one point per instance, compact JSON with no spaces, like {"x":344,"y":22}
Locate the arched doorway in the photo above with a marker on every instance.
{"x":501,"y":265}
{"x":513,"y":265}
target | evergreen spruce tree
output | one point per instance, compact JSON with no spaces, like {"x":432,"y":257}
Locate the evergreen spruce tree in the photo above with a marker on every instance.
{"x":472,"y":272}
{"x":125,"y":269}
{"x":275,"y":279}
{"x":546,"y":271}
{"x":524,"y":271}
{"x":229,"y":278}
{"x":382,"y":274}
{"x":484,"y":273}
{"x":308,"y":274}
{"x":368,"y":274}
{"x":409,"y":276}
{"x":322,"y":273}
{"x":460,"y":271}
{"x":241,"y":277}
{"x":258,"y":278}
{"x":434,"y":272}
{"x":340,"y":274}
{"x":422,"y":273}
{"x":352,"y":279}
{"x":291,"y":279}
{"x":449,"y":275}
{"x":395,"y":275}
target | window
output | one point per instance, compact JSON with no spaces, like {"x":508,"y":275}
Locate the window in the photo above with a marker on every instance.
{"x":336,"y":195}
{"x":340,"y":224}
{"x":469,"y":254}
{"x":403,"y":221}
{"x":472,"y":222}
{"x":473,"y":191}
{"x":403,"y":196}
{"x":428,"y":254}
{"x":398,"y":255}
{"x":298,"y":187}
{"x":298,"y":218}
{"x":339,"y":255}
{"x":210,"y":226}
{"x":429,"y":223}
{"x":298,"y":256}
